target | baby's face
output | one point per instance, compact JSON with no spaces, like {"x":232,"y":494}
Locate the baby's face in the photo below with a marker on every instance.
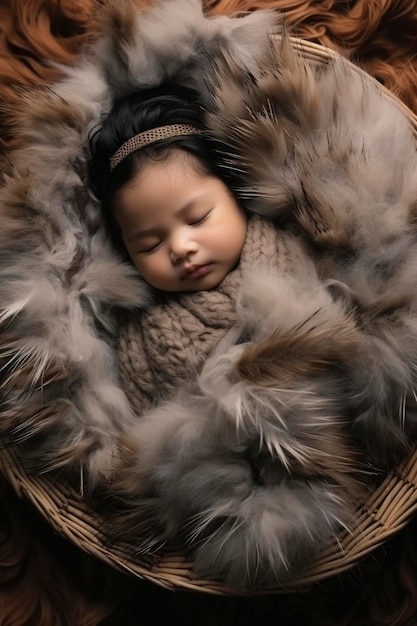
{"x":183,"y":230}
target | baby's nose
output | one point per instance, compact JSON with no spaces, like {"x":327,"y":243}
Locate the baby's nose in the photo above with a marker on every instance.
{"x":181,"y":247}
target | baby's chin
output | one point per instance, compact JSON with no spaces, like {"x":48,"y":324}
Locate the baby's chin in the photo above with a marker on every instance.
{"x":207,"y":282}
{"x":200,"y":286}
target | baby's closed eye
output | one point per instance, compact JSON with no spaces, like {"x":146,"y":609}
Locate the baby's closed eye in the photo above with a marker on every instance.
{"x":149,"y":247}
{"x":196,"y":220}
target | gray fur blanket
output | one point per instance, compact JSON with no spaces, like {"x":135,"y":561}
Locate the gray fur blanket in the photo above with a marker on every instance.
{"x":255,"y":463}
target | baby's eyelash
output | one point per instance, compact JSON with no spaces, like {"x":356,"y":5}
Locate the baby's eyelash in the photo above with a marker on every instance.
{"x":151,"y":249}
{"x":201,"y":219}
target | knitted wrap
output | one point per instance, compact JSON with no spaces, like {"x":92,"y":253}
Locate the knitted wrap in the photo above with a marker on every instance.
{"x":165,"y":345}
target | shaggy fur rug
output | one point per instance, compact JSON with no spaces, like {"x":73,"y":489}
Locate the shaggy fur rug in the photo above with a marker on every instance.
{"x":44,"y":580}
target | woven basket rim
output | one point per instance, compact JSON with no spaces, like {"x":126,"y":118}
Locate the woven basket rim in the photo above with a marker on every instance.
{"x":386,"y":511}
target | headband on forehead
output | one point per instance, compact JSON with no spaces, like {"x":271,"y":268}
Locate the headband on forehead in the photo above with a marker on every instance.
{"x":150,"y":136}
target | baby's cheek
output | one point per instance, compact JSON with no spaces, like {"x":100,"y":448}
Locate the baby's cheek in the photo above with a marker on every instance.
{"x":142,"y":267}
{"x":157,"y":266}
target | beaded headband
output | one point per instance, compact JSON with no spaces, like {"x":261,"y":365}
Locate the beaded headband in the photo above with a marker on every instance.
{"x":150,"y":136}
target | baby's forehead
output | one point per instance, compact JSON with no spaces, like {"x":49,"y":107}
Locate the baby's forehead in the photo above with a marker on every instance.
{"x":165,"y":190}
{"x":172,"y":162}
{"x":176,"y":172}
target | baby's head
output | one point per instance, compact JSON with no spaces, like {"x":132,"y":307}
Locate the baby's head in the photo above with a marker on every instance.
{"x":165,"y":200}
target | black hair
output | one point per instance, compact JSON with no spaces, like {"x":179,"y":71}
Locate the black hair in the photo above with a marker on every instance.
{"x":134,"y":114}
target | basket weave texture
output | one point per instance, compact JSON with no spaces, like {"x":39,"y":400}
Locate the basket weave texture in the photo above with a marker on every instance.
{"x":384,"y":512}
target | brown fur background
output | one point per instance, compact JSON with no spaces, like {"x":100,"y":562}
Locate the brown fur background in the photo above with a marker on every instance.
{"x":45,"y":581}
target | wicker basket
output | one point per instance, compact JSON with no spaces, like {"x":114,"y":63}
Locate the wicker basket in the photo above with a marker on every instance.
{"x":386,"y":510}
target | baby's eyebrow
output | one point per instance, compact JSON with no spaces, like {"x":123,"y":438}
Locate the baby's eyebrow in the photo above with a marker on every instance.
{"x":190,"y":204}
{"x":141,"y":233}
{"x":144,"y":232}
